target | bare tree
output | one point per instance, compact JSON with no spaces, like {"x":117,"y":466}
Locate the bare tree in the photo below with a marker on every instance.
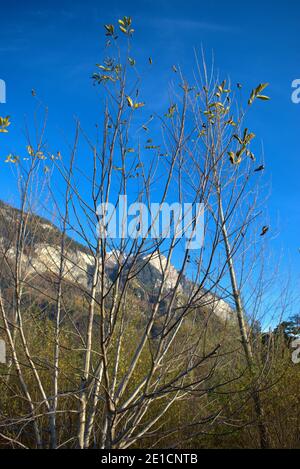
{"x":236,"y":205}
{"x":121,"y":352}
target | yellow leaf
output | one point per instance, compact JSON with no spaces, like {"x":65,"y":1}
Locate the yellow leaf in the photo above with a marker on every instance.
{"x":30,"y":150}
{"x":11,"y":159}
{"x":138,"y":105}
{"x":129,"y":101}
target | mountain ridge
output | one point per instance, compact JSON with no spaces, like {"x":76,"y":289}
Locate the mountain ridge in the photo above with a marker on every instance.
{"x":42,"y":253}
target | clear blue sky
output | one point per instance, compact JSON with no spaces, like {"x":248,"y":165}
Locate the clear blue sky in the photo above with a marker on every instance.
{"x":52,"y":46}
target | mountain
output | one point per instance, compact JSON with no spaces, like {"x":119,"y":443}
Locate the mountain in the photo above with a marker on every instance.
{"x":41,"y":261}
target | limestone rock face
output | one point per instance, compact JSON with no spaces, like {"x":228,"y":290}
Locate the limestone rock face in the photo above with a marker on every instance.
{"x":151,"y":274}
{"x":78,"y":266}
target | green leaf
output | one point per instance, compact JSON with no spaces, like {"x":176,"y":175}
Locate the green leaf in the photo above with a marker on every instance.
{"x":30,"y":150}
{"x":261,"y":87}
{"x":238,"y":139}
{"x":124,"y":25}
{"x":131,"y":61}
{"x":4,"y":123}
{"x":11,"y":159}
{"x":171,"y":111}
{"x":256,"y":93}
{"x":234,"y":158}
{"x":262,"y":97}
{"x":110,"y":29}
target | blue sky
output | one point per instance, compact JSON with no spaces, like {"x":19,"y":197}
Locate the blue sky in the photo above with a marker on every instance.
{"x":53,"y":46}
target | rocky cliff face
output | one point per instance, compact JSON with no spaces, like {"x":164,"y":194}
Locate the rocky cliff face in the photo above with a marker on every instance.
{"x":42,"y":257}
